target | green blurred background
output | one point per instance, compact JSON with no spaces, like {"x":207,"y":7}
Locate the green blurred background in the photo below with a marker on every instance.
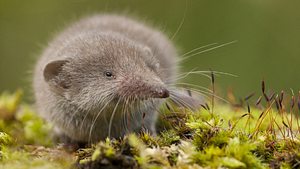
{"x":268,"y":34}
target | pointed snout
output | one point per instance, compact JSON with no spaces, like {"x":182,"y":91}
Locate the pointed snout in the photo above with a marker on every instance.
{"x":162,"y":93}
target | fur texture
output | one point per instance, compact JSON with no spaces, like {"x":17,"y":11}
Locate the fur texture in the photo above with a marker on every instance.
{"x":105,"y":75}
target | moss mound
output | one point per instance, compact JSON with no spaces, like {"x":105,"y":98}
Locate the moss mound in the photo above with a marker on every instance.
{"x":264,"y":135}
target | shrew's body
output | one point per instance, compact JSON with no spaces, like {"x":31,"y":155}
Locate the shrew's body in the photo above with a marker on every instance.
{"x":105,"y":75}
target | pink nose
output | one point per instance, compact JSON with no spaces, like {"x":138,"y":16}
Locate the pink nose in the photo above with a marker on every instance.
{"x":163,"y":93}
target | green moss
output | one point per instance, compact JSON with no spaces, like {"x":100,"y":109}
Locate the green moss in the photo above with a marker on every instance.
{"x":9,"y":104}
{"x":37,"y":158}
{"x":228,"y":137}
{"x":36,"y":131}
{"x":5,"y":139}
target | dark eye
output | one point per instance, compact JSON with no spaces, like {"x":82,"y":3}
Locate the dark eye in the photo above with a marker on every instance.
{"x":108,"y":74}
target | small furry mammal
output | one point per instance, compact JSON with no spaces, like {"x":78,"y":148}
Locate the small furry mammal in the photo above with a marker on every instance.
{"x":104,"y":76}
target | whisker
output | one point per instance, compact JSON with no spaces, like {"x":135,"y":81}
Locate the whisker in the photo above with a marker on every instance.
{"x":181,"y":102}
{"x":195,"y":49}
{"x":103,"y":100}
{"x":184,"y":75}
{"x":123,"y":111}
{"x":73,"y":115}
{"x":191,"y":85}
{"x":181,"y":22}
{"x":207,"y":50}
{"x":111,"y":118}
{"x":94,"y":121}
{"x":203,"y":73}
{"x":201,"y":92}
{"x":216,"y":73}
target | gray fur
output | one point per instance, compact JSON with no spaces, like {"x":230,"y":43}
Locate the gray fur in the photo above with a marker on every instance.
{"x":71,"y":87}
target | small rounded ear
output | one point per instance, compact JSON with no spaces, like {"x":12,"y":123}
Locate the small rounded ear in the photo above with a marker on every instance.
{"x":150,"y":60}
{"x":148,"y":51}
{"x":54,"y":75}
